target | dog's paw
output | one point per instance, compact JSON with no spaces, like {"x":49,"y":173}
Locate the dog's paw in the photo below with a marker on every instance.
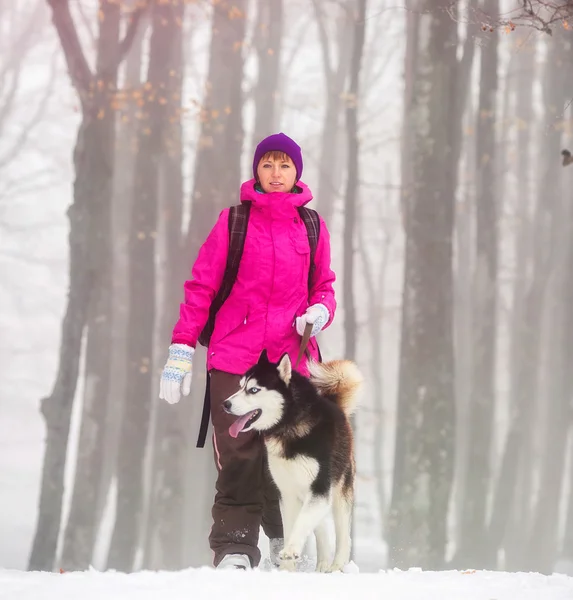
{"x":288,"y":565}
{"x":335,"y":567}
{"x":322,"y":566}
{"x":289,"y":554}
{"x":288,"y":558}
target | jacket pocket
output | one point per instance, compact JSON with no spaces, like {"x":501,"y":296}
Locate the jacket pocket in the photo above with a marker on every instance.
{"x":228,"y":321}
{"x":300,"y":311}
{"x":301,"y":262}
{"x":300,"y":244}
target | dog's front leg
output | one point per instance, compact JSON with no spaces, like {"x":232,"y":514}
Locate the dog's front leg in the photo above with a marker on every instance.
{"x":290,"y":507}
{"x":322,"y":547}
{"x":314,"y":509}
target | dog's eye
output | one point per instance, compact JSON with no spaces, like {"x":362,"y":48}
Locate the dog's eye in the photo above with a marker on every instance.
{"x":254,"y":390}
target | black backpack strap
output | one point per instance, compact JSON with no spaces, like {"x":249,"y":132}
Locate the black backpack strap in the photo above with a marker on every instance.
{"x":238,"y":222}
{"x":206,"y":412}
{"x":311,"y":221}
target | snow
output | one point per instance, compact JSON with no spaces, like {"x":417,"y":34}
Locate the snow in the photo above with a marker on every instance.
{"x":206,"y":583}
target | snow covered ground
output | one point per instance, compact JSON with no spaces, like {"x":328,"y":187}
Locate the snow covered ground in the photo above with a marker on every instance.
{"x":208,"y":584}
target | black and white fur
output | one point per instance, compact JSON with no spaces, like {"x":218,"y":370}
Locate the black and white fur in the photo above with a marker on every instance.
{"x":309,"y":441}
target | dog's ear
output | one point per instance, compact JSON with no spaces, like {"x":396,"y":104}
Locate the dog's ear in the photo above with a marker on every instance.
{"x":263,"y":357}
{"x":285,"y":368}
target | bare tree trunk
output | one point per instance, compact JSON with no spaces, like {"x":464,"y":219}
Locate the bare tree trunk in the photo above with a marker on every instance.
{"x":166,"y":532}
{"x":543,"y":543}
{"x":543,"y":231}
{"x":423,"y":463}
{"x":463,"y":109}
{"x":352,"y":188}
{"x":543,"y":546}
{"x":141,"y":316}
{"x":465,"y":251}
{"x":376,"y":290}
{"x":335,"y":77}
{"x":126,"y":150}
{"x":407,"y":139}
{"x":268,"y":41}
{"x":201,"y":474}
{"x":57,"y":408}
{"x":81,"y":529}
{"x":352,"y":182}
{"x":92,"y":190}
{"x":217,"y":165}
{"x":567,"y":547}
{"x":504,"y":492}
{"x":482,"y":403}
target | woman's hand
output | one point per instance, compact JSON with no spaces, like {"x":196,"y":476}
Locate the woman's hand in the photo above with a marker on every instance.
{"x":176,"y":376}
{"x":317,"y":315}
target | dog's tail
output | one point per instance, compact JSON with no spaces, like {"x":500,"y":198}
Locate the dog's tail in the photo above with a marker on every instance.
{"x":340,"y":379}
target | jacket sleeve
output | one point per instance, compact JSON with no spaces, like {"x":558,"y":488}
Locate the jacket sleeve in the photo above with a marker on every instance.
{"x":322,"y":291}
{"x":207,"y":275}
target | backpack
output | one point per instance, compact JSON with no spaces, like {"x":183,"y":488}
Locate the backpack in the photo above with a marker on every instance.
{"x":238,"y":223}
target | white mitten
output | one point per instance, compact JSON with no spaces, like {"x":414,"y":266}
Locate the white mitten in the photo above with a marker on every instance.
{"x":317,"y":314}
{"x":177,"y":371}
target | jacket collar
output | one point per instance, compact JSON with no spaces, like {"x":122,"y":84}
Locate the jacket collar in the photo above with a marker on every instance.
{"x":278,"y":203}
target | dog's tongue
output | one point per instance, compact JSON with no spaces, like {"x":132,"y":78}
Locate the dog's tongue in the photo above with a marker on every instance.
{"x":238,"y":425}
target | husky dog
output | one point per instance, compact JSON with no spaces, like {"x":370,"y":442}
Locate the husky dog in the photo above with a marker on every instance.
{"x":308,"y":437}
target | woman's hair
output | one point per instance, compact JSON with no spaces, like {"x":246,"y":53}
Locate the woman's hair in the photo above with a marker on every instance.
{"x":275,"y":155}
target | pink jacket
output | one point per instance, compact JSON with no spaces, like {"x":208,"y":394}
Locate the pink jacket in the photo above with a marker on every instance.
{"x":271,"y":288}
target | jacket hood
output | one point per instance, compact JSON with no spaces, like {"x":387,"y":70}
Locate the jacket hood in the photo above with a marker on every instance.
{"x":250,"y":194}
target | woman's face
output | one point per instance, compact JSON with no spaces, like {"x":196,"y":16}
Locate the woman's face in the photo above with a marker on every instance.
{"x":276,"y":172}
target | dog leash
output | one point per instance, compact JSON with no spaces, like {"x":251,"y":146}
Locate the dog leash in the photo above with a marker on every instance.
{"x":304,"y":342}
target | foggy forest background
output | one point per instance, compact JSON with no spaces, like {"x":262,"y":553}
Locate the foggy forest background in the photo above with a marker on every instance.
{"x":432,"y":133}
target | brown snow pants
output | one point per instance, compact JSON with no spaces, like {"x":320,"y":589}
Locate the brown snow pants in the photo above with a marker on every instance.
{"x":246,"y":497}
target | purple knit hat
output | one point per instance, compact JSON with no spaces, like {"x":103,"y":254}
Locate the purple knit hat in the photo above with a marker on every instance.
{"x":281,"y":143}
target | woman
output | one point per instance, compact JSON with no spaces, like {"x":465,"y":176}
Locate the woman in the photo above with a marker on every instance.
{"x":268,"y":307}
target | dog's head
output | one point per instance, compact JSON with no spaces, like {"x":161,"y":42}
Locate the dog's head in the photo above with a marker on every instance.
{"x":259,"y":403}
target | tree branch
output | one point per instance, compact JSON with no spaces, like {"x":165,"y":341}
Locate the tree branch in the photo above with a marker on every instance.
{"x":35,"y":182}
{"x":538,"y":14}
{"x":297,"y":43}
{"x":126,"y":43}
{"x":86,"y":22}
{"x":324,"y":45}
{"x":20,"y":46}
{"x":36,"y":118}
{"x":78,"y":67}
{"x":8,"y":97}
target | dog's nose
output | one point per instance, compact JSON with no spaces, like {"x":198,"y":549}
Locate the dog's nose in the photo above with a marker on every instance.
{"x":227,"y":405}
